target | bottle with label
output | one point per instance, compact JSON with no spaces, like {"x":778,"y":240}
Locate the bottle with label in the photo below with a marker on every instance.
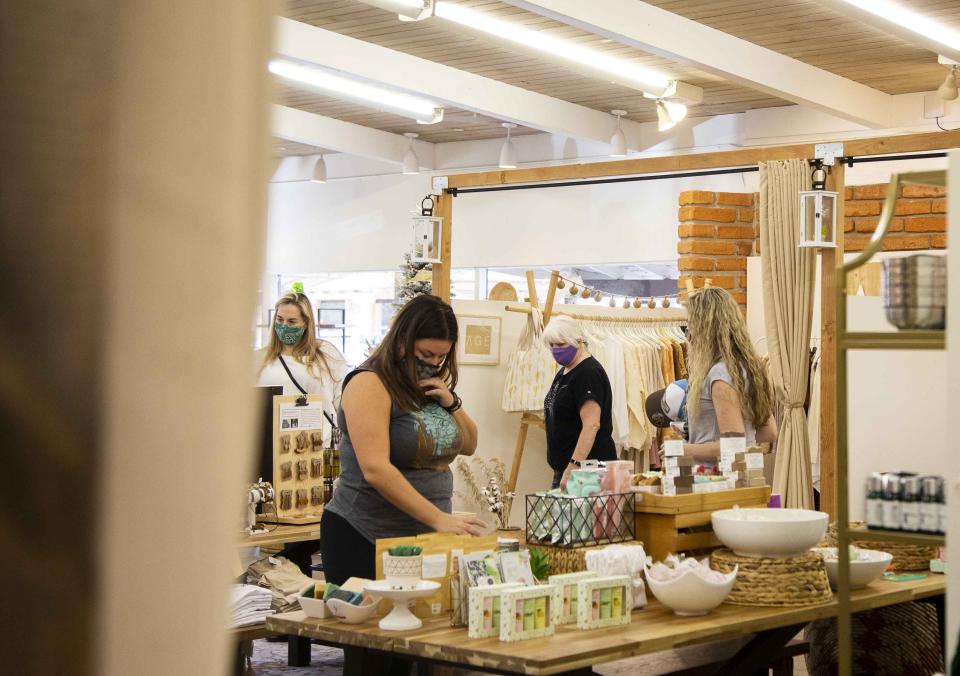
{"x":930,"y":487}
{"x":910,"y":503}
{"x":874,"y":503}
{"x":891,"y":501}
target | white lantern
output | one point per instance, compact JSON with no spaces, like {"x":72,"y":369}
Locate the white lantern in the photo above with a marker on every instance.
{"x":818,"y":218}
{"x":427,"y":239}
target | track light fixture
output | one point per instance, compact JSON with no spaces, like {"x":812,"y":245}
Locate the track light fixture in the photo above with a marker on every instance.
{"x":411,"y":163}
{"x":669,"y":113}
{"x":508,"y":153}
{"x":618,"y":142}
{"x":948,"y":90}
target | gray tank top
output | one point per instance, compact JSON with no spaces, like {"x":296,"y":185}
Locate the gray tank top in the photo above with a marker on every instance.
{"x":422,"y":445}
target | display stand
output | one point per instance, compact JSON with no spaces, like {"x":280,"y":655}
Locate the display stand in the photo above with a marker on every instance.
{"x":846,"y":341}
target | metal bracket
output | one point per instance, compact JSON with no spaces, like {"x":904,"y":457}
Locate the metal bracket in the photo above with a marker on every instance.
{"x":440,"y":184}
{"x":828,"y":152}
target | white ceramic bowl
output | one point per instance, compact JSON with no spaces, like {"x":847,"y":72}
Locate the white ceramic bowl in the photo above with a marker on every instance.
{"x":769,"y":532}
{"x":690,"y":594}
{"x":351,"y":614}
{"x":314,"y":607}
{"x":862,"y":573}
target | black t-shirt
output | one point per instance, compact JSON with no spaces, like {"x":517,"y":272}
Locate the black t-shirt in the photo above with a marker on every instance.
{"x":568,"y":393}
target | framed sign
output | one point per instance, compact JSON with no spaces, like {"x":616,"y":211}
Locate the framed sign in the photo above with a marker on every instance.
{"x":479,"y":342}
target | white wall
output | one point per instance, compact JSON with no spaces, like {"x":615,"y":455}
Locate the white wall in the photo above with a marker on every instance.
{"x":480,"y":388}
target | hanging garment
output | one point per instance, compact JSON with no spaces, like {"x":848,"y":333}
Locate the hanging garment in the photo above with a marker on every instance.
{"x":530,"y":369}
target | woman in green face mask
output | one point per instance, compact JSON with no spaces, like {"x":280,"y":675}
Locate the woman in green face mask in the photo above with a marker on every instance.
{"x":315,"y":365}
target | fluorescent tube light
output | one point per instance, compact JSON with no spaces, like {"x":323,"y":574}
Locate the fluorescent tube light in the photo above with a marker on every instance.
{"x":614,"y":69}
{"x":415,"y":107}
{"x":901,"y":16}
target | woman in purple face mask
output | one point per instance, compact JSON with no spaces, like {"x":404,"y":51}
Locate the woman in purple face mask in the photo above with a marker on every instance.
{"x":578,"y":406}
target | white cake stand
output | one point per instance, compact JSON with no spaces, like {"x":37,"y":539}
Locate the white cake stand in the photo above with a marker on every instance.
{"x":400,"y":618}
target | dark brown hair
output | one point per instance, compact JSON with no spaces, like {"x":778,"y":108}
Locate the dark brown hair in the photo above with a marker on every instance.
{"x":424,"y":317}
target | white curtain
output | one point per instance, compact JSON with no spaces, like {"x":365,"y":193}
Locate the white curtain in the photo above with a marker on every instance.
{"x":788,"y":280}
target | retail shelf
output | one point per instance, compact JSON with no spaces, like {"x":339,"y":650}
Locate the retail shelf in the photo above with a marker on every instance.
{"x":893,"y":340}
{"x":902,"y":537}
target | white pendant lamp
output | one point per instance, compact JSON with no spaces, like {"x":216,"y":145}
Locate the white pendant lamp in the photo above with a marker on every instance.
{"x":508,"y":153}
{"x":948,"y":90}
{"x":618,"y":142}
{"x":411,"y":163}
{"x":319,"y":171}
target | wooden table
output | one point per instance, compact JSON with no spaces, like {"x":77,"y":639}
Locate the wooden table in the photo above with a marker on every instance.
{"x":654,"y":628}
{"x":298,"y":649}
{"x":280,"y":534}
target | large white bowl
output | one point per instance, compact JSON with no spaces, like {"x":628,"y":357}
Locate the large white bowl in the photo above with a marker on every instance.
{"x":769,"y":532}
{"x":690,"y":594}
{"x":314,"y":607}
{"x":862,"y":573}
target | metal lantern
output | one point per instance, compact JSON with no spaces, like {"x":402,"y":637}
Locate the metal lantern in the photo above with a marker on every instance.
{"x":818,"y":218}
{"x":427,"y":234}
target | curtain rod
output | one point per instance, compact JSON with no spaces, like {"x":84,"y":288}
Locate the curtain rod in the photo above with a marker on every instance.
{"x":848,"y":160}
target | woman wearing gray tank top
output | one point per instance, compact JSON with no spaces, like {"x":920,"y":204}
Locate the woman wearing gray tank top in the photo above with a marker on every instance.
{"x":402,"y":426}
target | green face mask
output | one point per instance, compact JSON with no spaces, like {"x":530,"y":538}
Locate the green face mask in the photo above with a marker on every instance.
{"x":288,"y":335}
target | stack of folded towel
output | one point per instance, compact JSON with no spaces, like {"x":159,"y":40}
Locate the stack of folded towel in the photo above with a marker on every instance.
{"x":249,"y":605}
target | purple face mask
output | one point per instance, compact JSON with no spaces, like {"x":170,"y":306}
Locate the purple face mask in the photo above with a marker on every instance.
{"x":565,"y":355}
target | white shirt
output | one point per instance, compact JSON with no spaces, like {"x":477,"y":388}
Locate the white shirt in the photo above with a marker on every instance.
{"x":328,"y":385}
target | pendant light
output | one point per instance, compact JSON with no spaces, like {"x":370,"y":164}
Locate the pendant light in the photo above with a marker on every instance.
{"x":319,"y":171}
{"x":618,"y":142}
{"x":948,"y":90}
{"x":508,"y":153}
{"x":411,"y":163}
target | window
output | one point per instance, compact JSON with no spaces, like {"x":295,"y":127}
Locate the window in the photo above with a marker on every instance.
{"x":332,"y":323}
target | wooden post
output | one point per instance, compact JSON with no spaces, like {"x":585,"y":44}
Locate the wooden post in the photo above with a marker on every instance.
{"x":551,"y":294}
{"x":532,"y":290}
{"x":829,"y":260}
{"x":441,"y":271}
{"x":517,"y":456}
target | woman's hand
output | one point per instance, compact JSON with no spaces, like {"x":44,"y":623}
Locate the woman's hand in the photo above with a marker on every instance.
{"x":437,"y":390}
{"x":565,"y":477}
{"x":459,"y":524}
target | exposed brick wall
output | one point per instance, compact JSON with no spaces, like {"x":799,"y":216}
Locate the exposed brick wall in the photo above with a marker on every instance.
{"x":717,"y":234}
{"x":920,"y":217}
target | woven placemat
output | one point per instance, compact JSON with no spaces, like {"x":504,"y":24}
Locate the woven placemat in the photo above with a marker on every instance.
{"x":796,"y":581}
{"x":906,"y":558}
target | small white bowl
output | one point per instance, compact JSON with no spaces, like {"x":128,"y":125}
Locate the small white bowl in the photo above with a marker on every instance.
{"x":779,"y":533}
{"x":689,"y":594}
{"x":314,"y":607}
{"x":351,"y":614}
{"x":862,"y":573}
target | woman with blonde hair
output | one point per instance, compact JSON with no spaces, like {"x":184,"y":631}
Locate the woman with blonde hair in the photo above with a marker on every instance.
{"x":296,"y":359}
{"x":729,"y":391}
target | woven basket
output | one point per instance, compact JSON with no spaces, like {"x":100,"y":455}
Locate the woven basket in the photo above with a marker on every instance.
{"x":796,"y":581}
{"x":900,"y":639}
{"x":906,"y":558}
{"x":565,"y":560}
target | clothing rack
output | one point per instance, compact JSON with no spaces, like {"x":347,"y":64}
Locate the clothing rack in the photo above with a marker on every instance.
{"x":529,"y":418}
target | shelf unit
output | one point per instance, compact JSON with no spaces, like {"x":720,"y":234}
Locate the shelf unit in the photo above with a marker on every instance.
{"x":846,"y":341}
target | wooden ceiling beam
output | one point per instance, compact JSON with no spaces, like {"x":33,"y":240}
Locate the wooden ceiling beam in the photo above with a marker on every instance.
{"x":906,"y":143}
{"x":679,"y":39}
{"x":455,"y":87}
{"x":293,"y":124}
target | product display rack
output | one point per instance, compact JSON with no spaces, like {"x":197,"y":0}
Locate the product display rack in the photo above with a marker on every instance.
{"x":846,"y":341}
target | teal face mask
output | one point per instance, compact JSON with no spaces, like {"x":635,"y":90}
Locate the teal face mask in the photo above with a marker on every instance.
{"x":288,"y":335}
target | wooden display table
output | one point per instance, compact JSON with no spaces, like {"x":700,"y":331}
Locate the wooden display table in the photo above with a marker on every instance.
{"x":654,"y":628}
{"x":281,"y":535}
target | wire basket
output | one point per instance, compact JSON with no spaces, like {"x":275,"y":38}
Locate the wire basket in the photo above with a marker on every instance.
{"x":568,"y":521}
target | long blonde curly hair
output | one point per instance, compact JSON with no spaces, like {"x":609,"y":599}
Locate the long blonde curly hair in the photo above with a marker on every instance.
{"x":307,"y":351}
{"x":718,"y":333}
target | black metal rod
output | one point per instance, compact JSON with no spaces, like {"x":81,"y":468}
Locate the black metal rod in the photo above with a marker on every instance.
{"x":599,"y":181}
{"x":849,"y":161}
